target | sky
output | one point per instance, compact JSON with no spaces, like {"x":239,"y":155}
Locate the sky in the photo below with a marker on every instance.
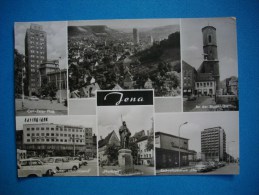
{"x":197,"y":122}
{"x":192,"y":43}
{"x":137,"y":118}
{"x":56,"y":39}
{"x":77,"y":120}
{"x":121,"y":24}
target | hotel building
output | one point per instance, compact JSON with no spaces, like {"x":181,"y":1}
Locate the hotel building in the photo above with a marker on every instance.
{"x":213,"y":144}
{"x":35,"y":54}
{"x":49,"y":138}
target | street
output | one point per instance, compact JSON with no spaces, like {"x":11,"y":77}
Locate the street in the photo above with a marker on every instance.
{"x":40,"y":107}
{"x":229,"y":169}
{"x":89,"y":170}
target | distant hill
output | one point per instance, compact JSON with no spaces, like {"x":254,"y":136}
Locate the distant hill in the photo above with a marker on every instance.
{"x":98,"y":30}
{"x":166,"y":50}
{"x":162,"y":32}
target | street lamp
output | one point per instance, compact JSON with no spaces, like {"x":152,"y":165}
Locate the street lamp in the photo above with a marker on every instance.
{"x":74,"y":148}
{"x":179,"y":163}
{"x":23,"y":72}
{"x":59,"y":80}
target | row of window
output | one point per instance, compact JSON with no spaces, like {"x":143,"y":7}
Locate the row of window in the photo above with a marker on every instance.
{"x":53,"y":140}
{"x":53,"y":134}
{"x":36,"y":56}
{"x":37,"y":43}
{"x":36,"y":47}
{"x":36,"y":38}
{"x":37,"y":52}
{"x":204,"y":84}
{"x":57,"y":128}
{"x":145,"y":150}
{"x":36,"y":34}
{"x":145,"y":156}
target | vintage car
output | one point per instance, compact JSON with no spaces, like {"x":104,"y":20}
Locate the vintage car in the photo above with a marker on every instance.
{"x":28,"y":172}
{"x":203,"y":167}
{"x":36,"y":164}
{"x":34,"y":98}
{"x":62,"y":163}
{"x":80,"y":160}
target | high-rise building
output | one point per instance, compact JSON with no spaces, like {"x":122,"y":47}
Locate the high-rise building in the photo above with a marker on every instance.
{"x":213,"y":144}
{"x":35,"y":54}
{"x":135,"y":36}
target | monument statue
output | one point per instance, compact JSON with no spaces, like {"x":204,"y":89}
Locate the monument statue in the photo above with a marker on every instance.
{"x":124,"y":135}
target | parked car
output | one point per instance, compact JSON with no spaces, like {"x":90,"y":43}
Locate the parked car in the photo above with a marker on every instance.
{"x":191,"y":98}
{"x":203,"y":167}
{"x":62,"y":163}
{"x":221,"y":164}
{"x":74,"y":159}
{"x":36,"y":164}
{"x":213,"y":164}
{"x":28,"y":172}
{"x":34,"y":98}
{"x":81,"y":160}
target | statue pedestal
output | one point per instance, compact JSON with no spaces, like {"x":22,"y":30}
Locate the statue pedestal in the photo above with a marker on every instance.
{"x":125,"y":160}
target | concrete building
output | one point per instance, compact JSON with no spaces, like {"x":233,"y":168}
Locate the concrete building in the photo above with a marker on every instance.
{"x":232,"y":86}
{"x":167,"y":150}
{"x":50,"y":73}
{"x":213,"y":144}
{"x":145,"y":157}
{"x":54,"y":138}
{"x":135,"y":36}
{"x":189,"y":78}
{"x":35,"y":54}
{"x":148,"y":84}
{"x":205,"y":84}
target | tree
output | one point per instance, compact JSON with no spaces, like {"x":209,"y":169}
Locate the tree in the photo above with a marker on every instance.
{"x":112,"y":152}
{"x":19,"y":64}
{"x":48,"y":89}
{"x":133,"y":146}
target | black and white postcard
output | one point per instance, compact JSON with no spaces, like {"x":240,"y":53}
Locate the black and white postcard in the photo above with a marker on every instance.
{"x":130,"y":97}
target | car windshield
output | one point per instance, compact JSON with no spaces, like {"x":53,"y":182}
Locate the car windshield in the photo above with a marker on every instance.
{"x":50,"y":160}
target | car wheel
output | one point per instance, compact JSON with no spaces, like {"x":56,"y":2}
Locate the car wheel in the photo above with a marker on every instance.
{"x":49,"y":172}
{"x":74,"y":168}
{"x":32,"y":175}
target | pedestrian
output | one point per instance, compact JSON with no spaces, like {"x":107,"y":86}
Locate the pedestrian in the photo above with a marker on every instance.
{"x":51,"y":100}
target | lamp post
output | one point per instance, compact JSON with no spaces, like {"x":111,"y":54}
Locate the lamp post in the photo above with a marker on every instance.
{"x":74,"y":148}
{"x":179,"y":129}
{"x":59,"y":80}
{"x":23,"y":71}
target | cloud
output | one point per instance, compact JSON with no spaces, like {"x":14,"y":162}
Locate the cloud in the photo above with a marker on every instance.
{"x":56,"y":39}
{"x":136,"y":117}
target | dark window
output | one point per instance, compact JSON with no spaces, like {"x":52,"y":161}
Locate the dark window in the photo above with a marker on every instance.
{"x":209,"y":38}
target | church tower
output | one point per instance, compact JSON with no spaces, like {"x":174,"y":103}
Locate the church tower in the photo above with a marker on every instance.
{"x":210,"y":52}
